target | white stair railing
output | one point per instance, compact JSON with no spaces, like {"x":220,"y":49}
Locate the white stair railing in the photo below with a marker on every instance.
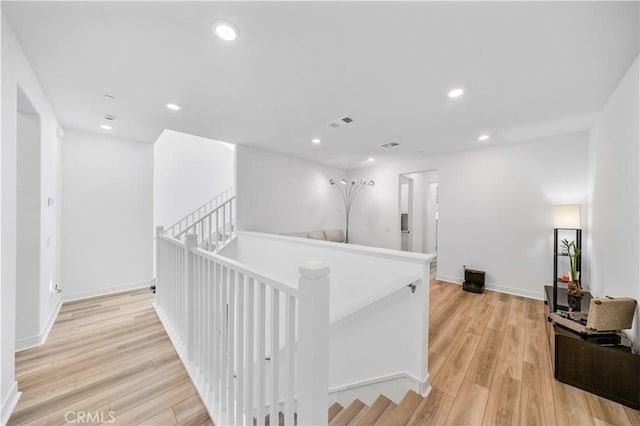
{"x":252,"y":344}
{"x":215,"y":229}
{"x":181,"y":226}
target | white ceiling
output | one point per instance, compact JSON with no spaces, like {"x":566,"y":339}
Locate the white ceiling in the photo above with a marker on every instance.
{"x":529,"y":70}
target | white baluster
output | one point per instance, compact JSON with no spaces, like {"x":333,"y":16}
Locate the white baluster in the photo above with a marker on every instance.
{"x":224,"y":353}
{"x":240,"y":350}
{"x":190,"y":243}
{"x":261,"y":329}
{"x":217,"y":230}
{"x":290,"y":341}
{"x":231,"y":351}
{"x":250,"y":351}
{"x":275,"y":356}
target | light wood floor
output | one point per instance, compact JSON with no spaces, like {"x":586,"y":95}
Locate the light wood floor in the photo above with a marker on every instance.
{"x":488,"y":360}
{"x":489,"y":363}
{"x":106,"y":354}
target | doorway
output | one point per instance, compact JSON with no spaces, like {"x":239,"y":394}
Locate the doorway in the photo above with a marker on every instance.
{"x":28,"y":226}
{"x":418,"y":211}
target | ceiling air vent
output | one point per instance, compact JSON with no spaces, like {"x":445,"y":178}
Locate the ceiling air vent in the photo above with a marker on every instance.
{"x":390,"y":145}
{"x":341,"y":121}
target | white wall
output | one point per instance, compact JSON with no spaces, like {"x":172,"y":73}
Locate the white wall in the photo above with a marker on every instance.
{"x":614,"y":193}
{"x":107,"y":214}
{"x":495,"y":208}
{"x":16,"y":72}
{"x":279,"y":194}
{"x":188,"y":171}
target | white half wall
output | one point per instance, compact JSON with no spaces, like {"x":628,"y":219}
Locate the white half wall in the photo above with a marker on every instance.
{"x":614,"y":192}
{"x":495,"y":208}
{"x":17,"y":73}
{"x":188,"y":171}
{"x":107,"y":214}
{"x":280,"y":194}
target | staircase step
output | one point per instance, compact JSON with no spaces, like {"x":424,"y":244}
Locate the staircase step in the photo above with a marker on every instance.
{"x":406,"y":409}
{"x":348,"y":414}
{"x":386,"y":414}
{"x":358,"y":416}
{"x":334,"y":410}
{"x":375,"y":411}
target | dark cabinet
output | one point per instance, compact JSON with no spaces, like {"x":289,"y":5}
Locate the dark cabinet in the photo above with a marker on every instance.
{"x":611,"y":371}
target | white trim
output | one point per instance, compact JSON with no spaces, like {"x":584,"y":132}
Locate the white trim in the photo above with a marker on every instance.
{"x":107,"y":290}
{"x":369,"y":389}
{"x":538,"y":295}
{"x":9,"y":404}
{"x":371,"y":251}
{"x":33,"y":341}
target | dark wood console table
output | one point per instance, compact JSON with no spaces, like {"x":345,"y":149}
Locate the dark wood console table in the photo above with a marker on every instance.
{"x":611,"y":371}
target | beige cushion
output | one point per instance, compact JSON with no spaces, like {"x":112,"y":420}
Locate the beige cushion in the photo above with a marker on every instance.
{"x":611,"y":313}
{"x":336,"y":235}
{"x":317,"y":235}
{"x":297,"y":234}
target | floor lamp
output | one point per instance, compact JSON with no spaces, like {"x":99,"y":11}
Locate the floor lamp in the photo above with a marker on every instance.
{"x":349,"y":192}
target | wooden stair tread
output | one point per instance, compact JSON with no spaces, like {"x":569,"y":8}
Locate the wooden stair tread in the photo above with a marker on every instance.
{"x":334,"y":410}
{"x":386,"y":414}
{"x":406,"y":409}
{"x":375,"y":411}
{"x":345,"y":416}
{"x":358,"y":416}
{"x":421,"y":412}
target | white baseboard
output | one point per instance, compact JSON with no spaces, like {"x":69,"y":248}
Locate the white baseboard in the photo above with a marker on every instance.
{"x":539,"y":295}
{"x":67,"y":297}
{"x":33,"y":341}
{"x":393,"y":386}
{"x":9,"y":404}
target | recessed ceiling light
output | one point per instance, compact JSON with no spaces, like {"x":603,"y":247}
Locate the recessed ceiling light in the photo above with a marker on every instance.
{"x":483,"y":137}
{"x":315,"y":140}
{"x":371,"y":159}
{"x":105,"y":127}
{"x":174,"y":107}
{"x":455,"y":93}
{"x":225,"y":30}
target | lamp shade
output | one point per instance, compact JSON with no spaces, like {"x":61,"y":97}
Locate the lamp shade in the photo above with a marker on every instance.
{"x":566,"y":217}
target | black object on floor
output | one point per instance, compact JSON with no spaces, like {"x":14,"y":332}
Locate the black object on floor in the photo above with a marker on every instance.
{"x":473,"y":281}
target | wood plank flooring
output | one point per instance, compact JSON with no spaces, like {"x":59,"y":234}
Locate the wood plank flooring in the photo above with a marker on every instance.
{"x":107,"y":360}
{"x":489,"y":364}
{"x":488,"y":360}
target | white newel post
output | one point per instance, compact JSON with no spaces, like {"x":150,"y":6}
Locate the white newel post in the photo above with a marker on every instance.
{"x":313,"y":344}
{"x":423,"y":293}
{"x":159,"y":232}
{"x":191,"y":242}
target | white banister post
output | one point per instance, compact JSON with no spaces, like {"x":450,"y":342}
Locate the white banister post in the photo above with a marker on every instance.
{"x":423,"y":294}
{"x":159,"y":232}
{"x":313,"y":344}
{"x":191,"y":242}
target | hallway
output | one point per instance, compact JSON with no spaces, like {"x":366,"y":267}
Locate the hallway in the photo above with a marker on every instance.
{"x":106,"y":357}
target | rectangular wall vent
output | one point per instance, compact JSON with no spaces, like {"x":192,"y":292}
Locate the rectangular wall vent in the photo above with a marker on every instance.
{"x":390,"y":145}
{"x":341,"y":121}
